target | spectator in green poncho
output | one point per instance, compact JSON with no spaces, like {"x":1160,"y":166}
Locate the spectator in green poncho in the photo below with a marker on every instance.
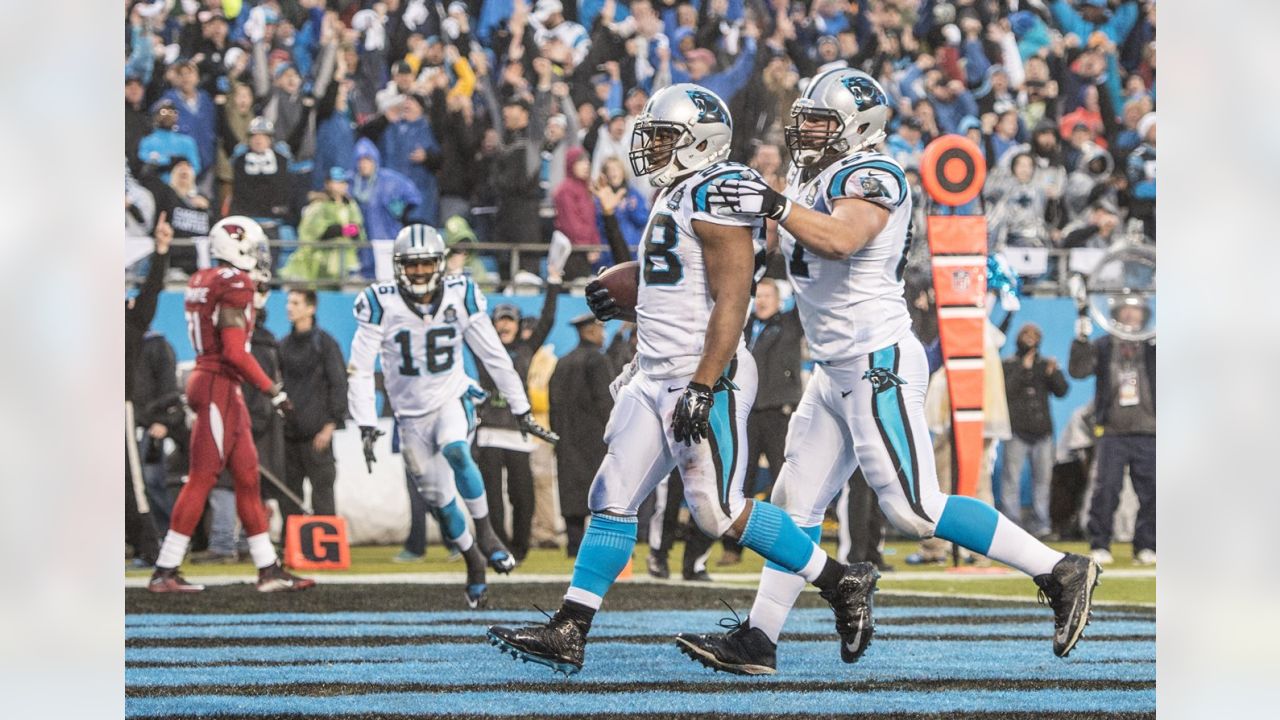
{"x":334,"y":218}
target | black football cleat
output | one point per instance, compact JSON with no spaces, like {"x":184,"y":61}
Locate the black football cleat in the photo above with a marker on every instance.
{"x":743,"y":650}
{"x":851,"y":601}
{"x":169,"y":580}
{"x":1069,"y":591}
{"x":274,"y":578}
{"x":495,"y":552}
{"x":559,"y":644}
{"x":477,"y":596}
{"x":658,"y":566}
{"x":501,"y":561}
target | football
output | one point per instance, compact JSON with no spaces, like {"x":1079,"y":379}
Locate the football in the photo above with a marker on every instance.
{"x":623,"y":282}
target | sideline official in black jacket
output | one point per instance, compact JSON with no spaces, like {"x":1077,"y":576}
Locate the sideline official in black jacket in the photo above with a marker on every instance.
{"x":580,"y":405}
{"x":775,"y":339}
{"x":314,"y":372}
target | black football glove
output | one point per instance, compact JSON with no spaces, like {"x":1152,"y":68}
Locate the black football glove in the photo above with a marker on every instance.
{"x":689,"y":422}
{"x":368,"y":437}
{"x":601,"y":302}
{"x":750,"y":198}
{"x":529,"y":426}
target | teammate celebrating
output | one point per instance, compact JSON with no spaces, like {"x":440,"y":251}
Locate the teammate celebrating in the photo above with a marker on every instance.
{"x":845,"y":226}
{"x":220,"y":312}
{"x":692,"y":379}
{"x":418,"y":324}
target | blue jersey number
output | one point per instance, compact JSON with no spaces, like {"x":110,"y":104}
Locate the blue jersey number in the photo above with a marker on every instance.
{"x":439,"y":359}
{"x":661,"y":263}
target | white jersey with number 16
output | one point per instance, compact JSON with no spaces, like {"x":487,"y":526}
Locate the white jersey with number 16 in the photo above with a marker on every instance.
{"x":421,"y":350}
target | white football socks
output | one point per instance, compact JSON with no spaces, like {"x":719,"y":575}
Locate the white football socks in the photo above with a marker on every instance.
{"x":774,"y":600}
{"x":1016,"y":547}
{"x":261,"y":550}
{"x":173,"y":550}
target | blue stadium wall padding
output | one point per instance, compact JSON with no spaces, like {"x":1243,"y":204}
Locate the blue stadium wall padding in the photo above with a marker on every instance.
{"x":1055,"y":316}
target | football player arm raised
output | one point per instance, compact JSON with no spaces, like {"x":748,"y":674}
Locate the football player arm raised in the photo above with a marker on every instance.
{"x":730,"y":259}
{"x":852,"y":224}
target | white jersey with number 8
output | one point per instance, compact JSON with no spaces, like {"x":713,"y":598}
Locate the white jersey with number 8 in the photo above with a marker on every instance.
{"x":674,"y":302}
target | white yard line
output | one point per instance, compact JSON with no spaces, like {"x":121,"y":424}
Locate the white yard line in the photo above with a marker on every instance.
{"x":736,"y":580}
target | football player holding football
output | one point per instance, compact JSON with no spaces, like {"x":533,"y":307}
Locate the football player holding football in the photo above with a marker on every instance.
{"x":844,"y":226}
{"x":685,"y":400}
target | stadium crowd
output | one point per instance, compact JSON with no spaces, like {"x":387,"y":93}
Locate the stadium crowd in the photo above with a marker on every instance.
{"x":501,"y":121}
{"x":338,"y":122}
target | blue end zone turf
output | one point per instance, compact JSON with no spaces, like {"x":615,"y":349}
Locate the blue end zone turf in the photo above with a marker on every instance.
{"x":815,"y":703}
{"x":999,"y":659}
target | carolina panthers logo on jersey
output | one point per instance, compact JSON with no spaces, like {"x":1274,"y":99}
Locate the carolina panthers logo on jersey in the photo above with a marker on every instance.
{"x":873,"y":188}
{"x":709,"y":108}
{"x":673,"y":203}
{"x":812,"y":196}
{"x":865,"y":93}
{"x":882,"y":379}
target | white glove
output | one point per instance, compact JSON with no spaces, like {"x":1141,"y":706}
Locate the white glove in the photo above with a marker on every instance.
{"x":1084,"y":327}
{"x":1075,"y":288}
{"x":750,"y":198}
{"x":415,"y":14}
{"x":558,"y":254}
{"x":624,"y":377}
{"x":1010,"y":302}
{"x":255,"y":27}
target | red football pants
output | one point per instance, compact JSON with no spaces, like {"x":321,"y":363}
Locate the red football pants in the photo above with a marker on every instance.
{"x":222,"y":436}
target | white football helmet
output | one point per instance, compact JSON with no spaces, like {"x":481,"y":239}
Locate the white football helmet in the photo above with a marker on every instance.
{"x":682,"y":129}
{"x":240,"y":241}
{"x":851,"y":98}
{"x":416,"y":243}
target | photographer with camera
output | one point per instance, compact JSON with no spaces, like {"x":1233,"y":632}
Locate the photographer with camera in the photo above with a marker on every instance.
{"x":1124,"y":424}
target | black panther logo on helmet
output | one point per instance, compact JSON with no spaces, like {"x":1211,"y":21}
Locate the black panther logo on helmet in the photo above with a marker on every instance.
{"x":710,"y":110}
{"x":865,"y":93}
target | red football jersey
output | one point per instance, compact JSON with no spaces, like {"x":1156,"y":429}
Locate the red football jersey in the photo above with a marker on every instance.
{"x":208,"y":292}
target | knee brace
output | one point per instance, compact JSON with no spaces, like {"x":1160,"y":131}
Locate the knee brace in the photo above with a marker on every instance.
{"x":452,"y":522}
{"x":465,"y":472}
{"x":458,"y":455}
